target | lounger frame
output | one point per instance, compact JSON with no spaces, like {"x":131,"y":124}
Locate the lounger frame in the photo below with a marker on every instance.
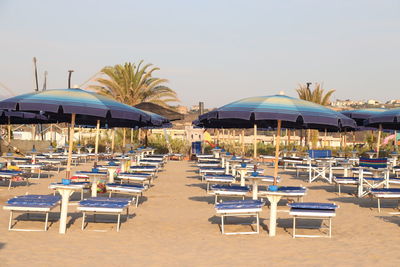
{"x":240,"y":213}
{"x":313,"y":215}
{"x":28,"y":210}
{"x":97,"y":210}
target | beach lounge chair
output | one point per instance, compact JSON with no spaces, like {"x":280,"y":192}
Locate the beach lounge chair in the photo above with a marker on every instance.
{"x":10,"y":175}
{"x":379,"y":167}
{"x":136,"y":177}
{"x":218,"y":179}
{"x":208,"y":170}
{"x":311,"y":210}
{"x":386,"y":193}
{"x":31,"y":204}
{"x":213,"y":164}
{"x":131,"y":189}
{"x":248,"y":208}
{"x":288,"y":192}
{"x":146,"y":169}
{"x":339,"y":181}
{"x":103,"y":205}
{"x":219,"y":190}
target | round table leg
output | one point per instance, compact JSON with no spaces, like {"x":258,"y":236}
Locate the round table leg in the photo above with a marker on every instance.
{"x":273,"y":211}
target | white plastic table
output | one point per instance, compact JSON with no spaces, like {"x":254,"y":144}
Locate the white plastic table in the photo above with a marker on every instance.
{"x":242,"y":172}
{"x":254,"y":180}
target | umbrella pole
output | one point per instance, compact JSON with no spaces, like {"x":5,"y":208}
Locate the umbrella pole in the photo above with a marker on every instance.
{"x":325,"y":139}
{"x":243,"y":142}
{"x":288,"y":137}
{"x":218,"y":137}
{"x":70,"y":145}
{"x":123,"y":139}
{"x":139,"y":136}
{"x":51,"y":133}
{"x":354,"y":139}
{"x":378,"y":142}
{"x":96,"y":148}
{"x":278,"y":140}
{"x":255,"y":141}
{"x":131,"y":136}
{"x":112,"y":140}
{"x":9,"y":130}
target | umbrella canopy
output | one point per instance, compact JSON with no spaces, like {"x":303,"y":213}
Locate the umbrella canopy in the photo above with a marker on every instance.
{"x":154,"y":108}
{"x":390,"y":119}
{"x":265,"y":111}
{"x":360,"y":115}
{"x":19,"y":117}
{"x":89,"y":107}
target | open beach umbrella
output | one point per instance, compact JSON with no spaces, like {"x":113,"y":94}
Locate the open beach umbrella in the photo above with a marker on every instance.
{"x":361,"y":115}
{"x":77,"y":106}
{"x":18,"y":117}
{"x":388,"y":120}
{"x":276,"y":111}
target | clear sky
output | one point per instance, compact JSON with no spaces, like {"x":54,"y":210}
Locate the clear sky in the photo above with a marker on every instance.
{"x":210,"y":50}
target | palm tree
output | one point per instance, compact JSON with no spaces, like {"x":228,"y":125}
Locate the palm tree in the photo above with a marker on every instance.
{"x":132,"y":84}
{"x":317,"y":95}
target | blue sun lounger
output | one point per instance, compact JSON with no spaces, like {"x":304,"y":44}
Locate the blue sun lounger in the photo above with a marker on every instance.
{"x":210,"y":170}
{"x":136,"y":177}
{"x":104,"y":205}
{"x":339,"y":181}
{"x":145,"y":169}
{"x":386,"y":193}
{"x":31,"y":204}
{"x":248,"y":208}
{"x":218,"y":178}
{"x":312,"y":210}
{"x":9,"y":175}
{"x":219,"y":190}
{"x":131,"y":189}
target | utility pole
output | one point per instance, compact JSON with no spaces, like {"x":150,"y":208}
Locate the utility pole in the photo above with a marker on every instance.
{"x":36,"y":75}
{"x":69,"y":78}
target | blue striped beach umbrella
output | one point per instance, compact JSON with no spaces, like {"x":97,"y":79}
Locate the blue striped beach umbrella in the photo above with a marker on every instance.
{"x":78,"y":107}
{"x":276,"y":111}
{"x":361,"y":115}
{"x":388,"y":120}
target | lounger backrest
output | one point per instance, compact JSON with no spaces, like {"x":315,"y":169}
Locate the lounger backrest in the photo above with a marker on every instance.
{"x":319,"y":153}
{"x":373,"y":163}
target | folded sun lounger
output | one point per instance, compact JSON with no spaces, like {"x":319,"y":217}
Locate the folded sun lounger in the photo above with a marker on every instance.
{"x":31,"y":204}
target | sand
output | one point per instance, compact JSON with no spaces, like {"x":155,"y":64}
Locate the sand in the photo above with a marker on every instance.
{"x":176,"y":226}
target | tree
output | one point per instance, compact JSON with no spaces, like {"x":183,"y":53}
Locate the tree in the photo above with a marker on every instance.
{"x":132,"y":84}
{"x":317,"y":95}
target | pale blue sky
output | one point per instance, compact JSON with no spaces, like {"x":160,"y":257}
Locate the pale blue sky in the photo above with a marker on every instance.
{"x":211,"y":51}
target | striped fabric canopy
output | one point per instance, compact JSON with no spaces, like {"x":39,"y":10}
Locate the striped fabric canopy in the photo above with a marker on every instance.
{"x":266,"y":110}
{"x":360,"y":115}
{"x":389,"y":119}
{"x":19,"y":117}
{"x":89,"y":107}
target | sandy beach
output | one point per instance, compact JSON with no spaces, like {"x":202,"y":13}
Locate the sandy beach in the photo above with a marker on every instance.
{"x":176,"y":225}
